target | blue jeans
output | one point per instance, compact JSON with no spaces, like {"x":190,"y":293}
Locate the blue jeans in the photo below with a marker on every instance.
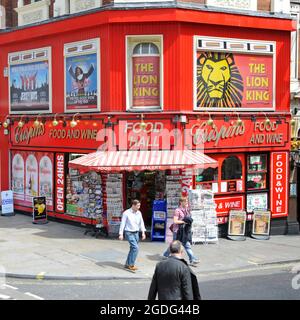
{"x":187,"y":247}
{"x":133,"y":239}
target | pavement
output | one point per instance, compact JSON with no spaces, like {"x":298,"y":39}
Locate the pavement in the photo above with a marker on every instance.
{"x":59,"y":250}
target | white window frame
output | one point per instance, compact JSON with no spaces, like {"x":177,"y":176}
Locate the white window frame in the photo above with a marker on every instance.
{"x":216,"y":44}
{"x":131,"y":42}
{"x":30,"y":56}
{"x":295,"y":42}
{"x":79,"y":45}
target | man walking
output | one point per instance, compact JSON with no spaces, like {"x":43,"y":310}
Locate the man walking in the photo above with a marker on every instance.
{"x":132,"y":222}
{"x":173,"y":279}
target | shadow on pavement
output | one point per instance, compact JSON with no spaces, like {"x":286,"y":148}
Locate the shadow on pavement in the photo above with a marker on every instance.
{"x":155,"y":257}
{"x":112,"y":264}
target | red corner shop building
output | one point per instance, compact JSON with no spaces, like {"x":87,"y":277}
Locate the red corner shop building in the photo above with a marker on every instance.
{"x":81,"y":82}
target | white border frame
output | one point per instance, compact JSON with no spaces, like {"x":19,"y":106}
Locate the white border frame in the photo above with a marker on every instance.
{"x":255,"y":213}
{"x":48,"y":57}
{"x":265,"y":193}
{"x":230,"y":222}
{"x":96,"y":41}
{"x":236,"y":41}
{"x":128,"y":72}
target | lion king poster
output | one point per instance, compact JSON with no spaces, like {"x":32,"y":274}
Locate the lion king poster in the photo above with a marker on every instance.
{"x":228,"y":80}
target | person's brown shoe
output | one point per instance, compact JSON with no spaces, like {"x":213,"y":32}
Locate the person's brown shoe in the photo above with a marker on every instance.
{"x":132,"y":268}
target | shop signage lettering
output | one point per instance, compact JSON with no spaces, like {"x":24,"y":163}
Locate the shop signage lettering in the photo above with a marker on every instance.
{"x":225,"y":134}
{"x":186,"y":181}
{"x":60,"y":182}
{"x":28,"y":133}
{"x":73,"y":134}
{"x":206,"y":133}
{"x":224,"y":205}
{"x":45,"y":134}
{"x":151,"y":135}
{"x":279,"y":200}
{"x":149,"y":127}
{"x":269,"y":138}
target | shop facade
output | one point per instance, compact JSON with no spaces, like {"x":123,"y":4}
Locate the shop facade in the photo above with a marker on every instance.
{"x":102,"y":81}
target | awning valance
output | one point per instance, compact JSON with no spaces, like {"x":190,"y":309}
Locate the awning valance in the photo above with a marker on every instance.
{"x":115,"y":161}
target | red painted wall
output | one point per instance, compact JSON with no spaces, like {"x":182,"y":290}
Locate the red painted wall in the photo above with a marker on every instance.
{"x":177,"y":47}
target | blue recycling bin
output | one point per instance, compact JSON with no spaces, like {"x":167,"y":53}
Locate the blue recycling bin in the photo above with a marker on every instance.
{"x":159,"y":220}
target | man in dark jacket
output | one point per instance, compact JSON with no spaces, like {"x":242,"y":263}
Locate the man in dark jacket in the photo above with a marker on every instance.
{"x":173,"y":279}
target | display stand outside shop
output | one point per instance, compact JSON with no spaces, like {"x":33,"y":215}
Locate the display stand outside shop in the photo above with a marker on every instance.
{"x":237,"y":225}
{"x":203,"y":212}
{"x":261,"y":225}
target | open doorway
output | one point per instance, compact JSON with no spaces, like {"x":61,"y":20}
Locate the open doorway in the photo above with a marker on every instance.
{"x":145,"y":186}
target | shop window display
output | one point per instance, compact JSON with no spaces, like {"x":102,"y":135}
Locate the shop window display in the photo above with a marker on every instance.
{"x":207,"y":179}
{"x":84,"y":194}
{"x":231,"y":168}
{"x":257,"y":172}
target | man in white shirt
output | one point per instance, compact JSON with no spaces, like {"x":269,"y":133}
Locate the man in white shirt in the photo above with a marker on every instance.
{"x":132,"y":222}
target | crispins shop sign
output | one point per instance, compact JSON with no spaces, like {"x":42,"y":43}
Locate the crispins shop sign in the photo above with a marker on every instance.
{"x":223,"y":134}
{"x":47,"y":134}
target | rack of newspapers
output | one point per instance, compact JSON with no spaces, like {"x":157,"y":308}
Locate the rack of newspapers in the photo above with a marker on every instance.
{"x":114,"y":201}
{"x":173,"y":194}
{"x":203,"y":212}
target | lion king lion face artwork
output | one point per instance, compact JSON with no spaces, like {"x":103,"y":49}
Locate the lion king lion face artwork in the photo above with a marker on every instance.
{"x":219,"y":82}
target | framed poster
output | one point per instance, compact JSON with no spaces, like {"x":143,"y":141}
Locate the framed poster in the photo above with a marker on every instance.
{"x":18,"y":176}
{"x":261,"y":223}
{"x":234,"y":74}
{"x":30,"y":81}
{"x":257,"y":201}
{"x":237,"y":223}
{"x":82,"y":76}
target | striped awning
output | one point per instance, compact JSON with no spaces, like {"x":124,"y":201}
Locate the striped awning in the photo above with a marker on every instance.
{"x":115,"y":161}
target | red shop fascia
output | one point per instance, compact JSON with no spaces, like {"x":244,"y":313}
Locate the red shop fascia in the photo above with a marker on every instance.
{"x":252,"y":154}
{"x":257,"y":146}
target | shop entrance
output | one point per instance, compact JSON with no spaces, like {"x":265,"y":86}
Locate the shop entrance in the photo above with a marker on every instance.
{"x":145,"y":186}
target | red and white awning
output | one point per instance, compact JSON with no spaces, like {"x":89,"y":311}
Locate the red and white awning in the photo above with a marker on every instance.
{"x":143,"y":160}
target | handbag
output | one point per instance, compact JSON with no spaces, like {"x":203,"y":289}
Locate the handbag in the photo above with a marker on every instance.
{"x":172,"y":227}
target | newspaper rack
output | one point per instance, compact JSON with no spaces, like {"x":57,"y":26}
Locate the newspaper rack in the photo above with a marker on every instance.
{"x":203,"y":211}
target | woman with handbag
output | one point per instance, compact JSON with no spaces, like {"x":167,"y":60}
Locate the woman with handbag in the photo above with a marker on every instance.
{"x":180,"y":214}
